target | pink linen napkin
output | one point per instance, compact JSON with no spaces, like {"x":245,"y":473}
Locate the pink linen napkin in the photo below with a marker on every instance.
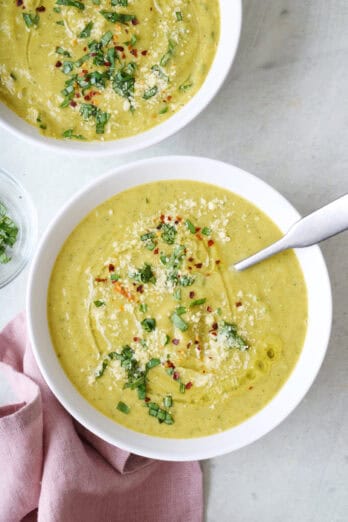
{"x":53,"y":470}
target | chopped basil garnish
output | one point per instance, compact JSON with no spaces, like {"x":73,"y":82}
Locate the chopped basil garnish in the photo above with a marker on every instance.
{"x":71,"y":3}
{"x":60,"y":22}
{"x":150,"y":93}
{"x":168,"y":401}
{"x":143,"y":308}
{"x":69,"y":134}
{"x":124,"y":80}
{"x":106,"y":38}
{"x":178,"y":15}
{"x":86,"y":32}
{"x":31,"y":20}
{"x":144,"y":275}
{"x":160,"y":72}
{"x":164,"y":110}
{"x":113,"y":17}
{"x":178,"y":322}
{"x":67,"y":67}
{"x":186,"y":280}
{"x":121,"y":406}
{"x":87,"y":110}
{"x":166,"y":340}
{"x":180,"y":310}
{"x":231,"y":337}
{"x":132,"y":41}
{"x":182,"y":387}
{"x":63,"y":52}
{"x":185,"y":86}
{"x":152,"y":363}
{"x":115,"y":277}
{"x":206,"y":231}
{"x":177,"y":294}
{"x":99,"y":303}
{"x":148,"y":324}
{"x":159,"y":413}
{"x":198,"y":302}
{"x":100,"y":372}
{"x":190,"y":226}
{"x":169,"y":54}
{"x":168,"y":233}
{"x":57,"y":9}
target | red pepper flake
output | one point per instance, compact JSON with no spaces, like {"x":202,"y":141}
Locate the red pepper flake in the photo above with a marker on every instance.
{"x":169,"y":218}
{"x":123,"y":56}
{"x":59,"y":63}
{"x":196,"y":342}
{"x":198,"y":229}
{"x":100,"y":280}
{"x":209,"y":309}
{"x":87,"y":97}
{"x":147,"y":399}
{"x":239,"y":303}
{"x":198,"y":348}
{"x":156,"y":251}
{"x":175,"y":341}
{"x":218,"y":261}
{"x":140,"y":289}
{"x":190,"y":259}
{"x":136,"y":339}
{"x":214,"y":326}
{"x":135,"y":21}
{"x":107,"y":64}
{"x":188,"y":344}
{"x":85,"y":48}
{"x":169,"y":364}
{"x":198,"y":236}
{"x":188,"y":385}
{"x":210,"y":242}
{"x":169,"y":98}
{"x":119,"y":48}
{"x":190,"y":267}
{"x":198,"y":265}
{"x":144,"y":53}
{"x":191,"y":294}
{"x":176,"y":222}
{"x":40,"y":9}
{"x":73,"y":103}
{"x":134,"y":52}
{"x":78,"y":95}
{"x":111,"y":267}
{"x":19,"y":3}
{"x":214,"y":333}
{"x":179,"y":218}
{"x":85,"y":71}
{"x":176,"y":376}
{"x":162,"y":216}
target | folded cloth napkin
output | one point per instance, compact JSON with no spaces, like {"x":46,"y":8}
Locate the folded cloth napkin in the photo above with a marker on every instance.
{"x":53,"y":470}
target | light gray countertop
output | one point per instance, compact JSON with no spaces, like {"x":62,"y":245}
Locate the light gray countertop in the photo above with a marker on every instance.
{"x":282,"y":115}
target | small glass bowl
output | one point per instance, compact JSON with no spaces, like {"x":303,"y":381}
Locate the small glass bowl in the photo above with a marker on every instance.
{"x":21,"y":210}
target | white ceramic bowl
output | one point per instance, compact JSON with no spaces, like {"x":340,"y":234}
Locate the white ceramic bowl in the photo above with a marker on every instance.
{"x":231,"y":21}
{"x":261,"y":195}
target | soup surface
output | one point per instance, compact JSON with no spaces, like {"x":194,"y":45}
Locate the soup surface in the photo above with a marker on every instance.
{"x":153,"y":327}
{"x":104,"y":69}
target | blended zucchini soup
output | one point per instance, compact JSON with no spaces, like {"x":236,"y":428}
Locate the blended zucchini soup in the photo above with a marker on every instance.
{"x":104,"y":69}
{"x":152,"y":325}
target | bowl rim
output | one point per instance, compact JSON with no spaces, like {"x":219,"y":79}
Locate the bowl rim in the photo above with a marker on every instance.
{"x":219,"y":69}
{"x":287,"y":398}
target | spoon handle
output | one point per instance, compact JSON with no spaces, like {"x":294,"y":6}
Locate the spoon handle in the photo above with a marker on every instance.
{"x":321,"y":224}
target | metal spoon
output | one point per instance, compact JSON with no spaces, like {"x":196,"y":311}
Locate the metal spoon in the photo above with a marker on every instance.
{"x":321,"y":224}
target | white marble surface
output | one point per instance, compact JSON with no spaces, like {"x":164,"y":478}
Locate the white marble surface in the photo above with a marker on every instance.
{"x":282,"y":115}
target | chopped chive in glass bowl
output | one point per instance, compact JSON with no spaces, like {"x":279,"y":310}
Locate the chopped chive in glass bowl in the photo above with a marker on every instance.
{"x":18,"y":228}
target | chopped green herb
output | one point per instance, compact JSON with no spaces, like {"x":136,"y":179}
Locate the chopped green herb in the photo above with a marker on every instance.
{"x":164,"y":110}
{"x":132,"y":41}
{"x":8,"y":234}
{"x":161,"y":414}
{"x":122,"y":3}
{"x":178,"y":15}
{"x":150,"y":93}
{"x":168,"y":233}
{"x":143,"y":308}
{"x":186,"y":280}
{"x":99,"y":303}
{"x":63,"y":52}
{"x":100,"y":372}
{"x":67,"y":67}
{"x":219,"y":311}
{"x":115,"y":277}
{"x":57,"y":9}
{"x":152,"y":363}
{"x":185,"y":86}
{"x":60,"y":22}
{"x":31,"y":20}
{"x":69,"y":134}
{"x":106,"y":38}
{"x":71,"y":3}
{"x":117,"y":17}
{"x":169,"y":54}
{"x":232,"y":339}
{"x":198,"y":302}
{"x":206,"y":231}
{"x":180,"y":310}
{"x":101,"y":120}
{"x":148,"y":324}
{"x":144,"y":275}
{"x":121,"y":406}
{"x":190,"y":226}
{"x":179,"y":322}
{"x":124,"y":80}
{"x":168,"y":401}
{"x":182,"y":387}
{"x":13,"y":76}
{"x":177,"y":294}
{"x":86,"y":32}
{"x":87,"y":110}
{"x":166,"y":340}
{"x":156,"y":68}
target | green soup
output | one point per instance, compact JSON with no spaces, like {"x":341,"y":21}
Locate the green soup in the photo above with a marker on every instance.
{"x":152,"y":325}
{"x":101,"y":69}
